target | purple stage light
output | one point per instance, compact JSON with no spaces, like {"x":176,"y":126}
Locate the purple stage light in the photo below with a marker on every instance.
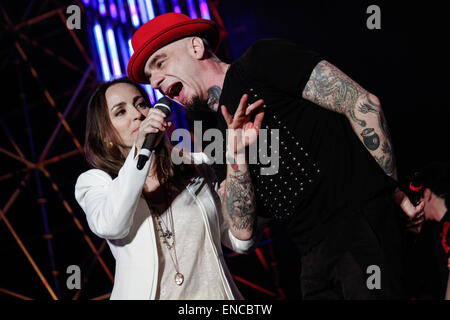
{"x":150,"y":9}
{"x":133,"y":13}
{"x":176,"y":6}
{"x":102,"y":7}
{"x":112,"y":9}
{"x":113,"y":52}
{"x":151,"y":94}
{"x":191,"y":9}
{"x":122,"y":12}
{"x":102,"y":51}
{"x":142,"y":11}
{"x":130,"y":47}
{"x":204,"y":10}
{"x":123,"y":47}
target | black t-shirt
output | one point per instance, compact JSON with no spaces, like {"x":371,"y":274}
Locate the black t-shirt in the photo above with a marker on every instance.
{"x":325,"y":172}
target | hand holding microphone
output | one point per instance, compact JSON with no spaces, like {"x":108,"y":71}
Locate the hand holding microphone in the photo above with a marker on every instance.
{"x":150,"y":128}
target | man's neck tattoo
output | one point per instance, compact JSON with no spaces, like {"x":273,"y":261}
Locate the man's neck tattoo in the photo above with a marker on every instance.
{"x":213,"y":97}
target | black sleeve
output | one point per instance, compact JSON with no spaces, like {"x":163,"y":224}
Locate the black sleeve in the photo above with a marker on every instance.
{"x":280,"y":64}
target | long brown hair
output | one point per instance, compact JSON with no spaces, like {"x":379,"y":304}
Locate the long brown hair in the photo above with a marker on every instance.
{"x":105,"y":150}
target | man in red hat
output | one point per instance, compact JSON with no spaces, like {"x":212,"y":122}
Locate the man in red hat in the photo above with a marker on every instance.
{"x":337,"y":174}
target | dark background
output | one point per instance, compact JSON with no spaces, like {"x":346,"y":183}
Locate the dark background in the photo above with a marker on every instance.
{"x":405,"y":64}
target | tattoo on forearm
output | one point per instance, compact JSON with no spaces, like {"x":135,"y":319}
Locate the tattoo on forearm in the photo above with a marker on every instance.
{"x":370,"y":138}
{"x":390,"y":168}
{"x":213,"y":97}
{"x":331,"y":89}
{"x":239,"y":199}
{"x":366,"y":108}
{"x":362,"y":123}
{"x":328,"y":87}
{"x":386,"y":148}
{"x":369,"y":106}
{"x":384,"y":126}
{"x":386,"y":163}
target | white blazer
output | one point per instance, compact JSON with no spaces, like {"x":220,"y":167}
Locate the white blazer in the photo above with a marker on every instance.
{"x":116,"y":211}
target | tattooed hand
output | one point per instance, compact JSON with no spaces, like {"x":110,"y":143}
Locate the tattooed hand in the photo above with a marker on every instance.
{"x":241,"y":130}
{"x":238,"y":205}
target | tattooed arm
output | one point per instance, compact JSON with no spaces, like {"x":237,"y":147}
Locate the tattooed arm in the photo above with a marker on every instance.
{"x":238,"y":204}
{"x":238,"y":201}
{"x":331,"y":89}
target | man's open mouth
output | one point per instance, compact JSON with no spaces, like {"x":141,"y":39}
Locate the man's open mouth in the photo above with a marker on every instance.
{"x":174,"y":90}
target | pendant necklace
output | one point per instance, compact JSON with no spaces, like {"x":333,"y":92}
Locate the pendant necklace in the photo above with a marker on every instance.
{"x":168,"y":238}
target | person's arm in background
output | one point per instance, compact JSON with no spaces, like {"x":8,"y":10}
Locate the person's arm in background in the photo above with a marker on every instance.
{"x":332,"y":89}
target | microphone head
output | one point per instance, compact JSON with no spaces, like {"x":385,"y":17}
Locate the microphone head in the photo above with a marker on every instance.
{"x":165,"y":105}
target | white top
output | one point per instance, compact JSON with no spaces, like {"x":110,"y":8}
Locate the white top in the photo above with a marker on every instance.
{"x":194,"y":255}
{"x":116,"y":211}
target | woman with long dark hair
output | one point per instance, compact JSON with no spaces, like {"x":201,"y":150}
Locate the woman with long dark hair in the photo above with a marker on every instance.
{"x":165,"y":223}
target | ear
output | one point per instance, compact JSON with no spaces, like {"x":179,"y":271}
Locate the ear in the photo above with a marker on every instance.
{"x":427,"y":194}
{"x":196,"y":48}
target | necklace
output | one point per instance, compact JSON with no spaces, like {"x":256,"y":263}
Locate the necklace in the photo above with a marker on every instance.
{"x":168,"y":238}
{"x":165,"y":235}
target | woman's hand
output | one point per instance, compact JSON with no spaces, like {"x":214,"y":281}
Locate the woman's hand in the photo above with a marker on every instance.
{"x":153,"y":123}
{"x":241,"y":131}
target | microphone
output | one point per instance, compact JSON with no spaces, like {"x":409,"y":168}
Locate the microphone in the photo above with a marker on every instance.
{"x":415,"y":192}
{"x":165,"y":105}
